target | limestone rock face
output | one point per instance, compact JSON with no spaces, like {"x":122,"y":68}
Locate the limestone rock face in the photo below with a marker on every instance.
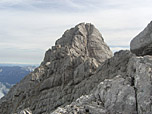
{"x":120,"y":95}
{"x":143,"y":83}
{"x":85,"y":39}
{"x":142,"y":43}
{"x":112,"y":96}
{"x":65,"y":74}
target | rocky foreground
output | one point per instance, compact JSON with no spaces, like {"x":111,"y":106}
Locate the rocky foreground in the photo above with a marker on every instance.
{"x":79,"y":75}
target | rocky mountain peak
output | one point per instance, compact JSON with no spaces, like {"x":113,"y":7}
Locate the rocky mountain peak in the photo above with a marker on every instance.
{"x":79,"y":76}
{"x":67,"y":70}
{"x":81,"y":31}
{"x":82,"y":40}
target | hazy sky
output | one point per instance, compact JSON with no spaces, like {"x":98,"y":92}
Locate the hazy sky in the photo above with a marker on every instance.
{"x":29,"y":27}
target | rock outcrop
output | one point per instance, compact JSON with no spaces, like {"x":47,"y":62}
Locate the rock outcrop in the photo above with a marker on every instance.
{"x":65,"y":74}
{"x":79,"y":75}
{"x":142,"y":43}
{"x":112,"y":96}
{"x":131,"y":94}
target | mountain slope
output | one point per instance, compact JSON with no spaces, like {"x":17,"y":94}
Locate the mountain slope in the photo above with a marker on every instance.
{"x":79,"y":75}
{"x":129,"y":91}
{"x":64,"y":74}
{"x":123,"y":94}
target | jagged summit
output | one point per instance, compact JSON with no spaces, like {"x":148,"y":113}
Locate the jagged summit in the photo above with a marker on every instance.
{"x":83,"y":39}
{"x":81,"y":31}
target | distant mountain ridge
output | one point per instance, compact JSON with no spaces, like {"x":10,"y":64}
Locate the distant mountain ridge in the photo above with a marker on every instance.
{"x":21,"y":65}
{"x":11,"y":74}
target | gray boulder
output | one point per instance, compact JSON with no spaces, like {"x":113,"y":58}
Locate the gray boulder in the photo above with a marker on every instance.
{"x":142,"y":43}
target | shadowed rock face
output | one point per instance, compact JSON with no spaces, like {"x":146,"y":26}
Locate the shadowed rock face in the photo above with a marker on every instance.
{"x":65,"y":74}
{"x":142,"y":43}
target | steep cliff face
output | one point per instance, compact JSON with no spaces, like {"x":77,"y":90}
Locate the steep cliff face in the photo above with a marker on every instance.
{"x":65,"y":74}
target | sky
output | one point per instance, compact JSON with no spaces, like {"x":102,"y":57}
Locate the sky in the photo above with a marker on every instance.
{"x":29,"y":27}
